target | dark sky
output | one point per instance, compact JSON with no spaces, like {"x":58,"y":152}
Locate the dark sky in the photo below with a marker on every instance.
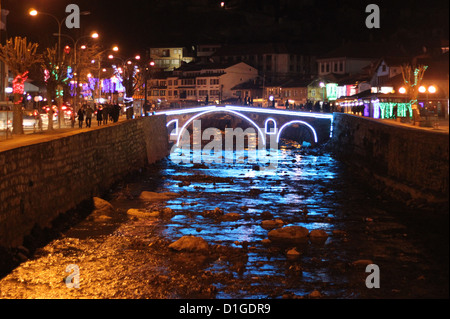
{"x":138,"y":24}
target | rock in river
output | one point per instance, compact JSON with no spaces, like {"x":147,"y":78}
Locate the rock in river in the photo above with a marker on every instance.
{"x":102,"y":206}
{"x":142,"y":213}
{"x":152,"y":196}
{"x":231,"y":217}
{"x":291,"y":233}
{"x":271,"y":224}
{"x":190,"y":244}
{"x":318,"y":233}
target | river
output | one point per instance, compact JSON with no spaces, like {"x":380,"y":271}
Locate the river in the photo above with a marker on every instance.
{"x":123,"y":256}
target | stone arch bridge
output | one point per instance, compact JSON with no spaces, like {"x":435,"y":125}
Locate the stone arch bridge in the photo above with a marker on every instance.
{"x":266,"y":121}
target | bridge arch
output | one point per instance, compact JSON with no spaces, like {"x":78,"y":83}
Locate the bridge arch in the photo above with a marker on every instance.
{"x":175,"y":123}
{"x":221,"y":110}
{"x":313,"y":131}
{"x":270,"y":130}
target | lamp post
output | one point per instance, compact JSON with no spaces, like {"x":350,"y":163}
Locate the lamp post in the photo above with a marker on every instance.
{"x":100,"y":54}
{"x":94,"y":35}
{"x":143,"y":65}
{"x":34,"y":13}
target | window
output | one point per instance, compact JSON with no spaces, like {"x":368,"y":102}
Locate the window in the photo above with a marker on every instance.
{"x":213,"y":81}
{"x":203,"y":92}
{"x":341,"y":66}
{"x":162,"y":92}
{"x":322,"y":68}
{"x":335,"y":67}
{"x":214,"y":92}
{"x":328,"y":67}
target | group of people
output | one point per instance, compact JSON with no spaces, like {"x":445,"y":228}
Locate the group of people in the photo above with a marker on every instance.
{"x":102,"y":113}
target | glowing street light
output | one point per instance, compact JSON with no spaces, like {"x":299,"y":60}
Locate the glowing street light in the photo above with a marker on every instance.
{"x":33,"y":12}
{"x":432,"y":89}
{"x":402,"y":90}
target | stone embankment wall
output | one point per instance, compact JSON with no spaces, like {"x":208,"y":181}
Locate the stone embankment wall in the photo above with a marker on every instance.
{"x":38,"y":182}
{"x":408,"y":163}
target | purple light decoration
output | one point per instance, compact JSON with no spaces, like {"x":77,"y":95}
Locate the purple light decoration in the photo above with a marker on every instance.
{"x":366,"y":109}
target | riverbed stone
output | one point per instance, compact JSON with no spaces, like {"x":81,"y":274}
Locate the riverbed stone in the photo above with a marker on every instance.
{"x":153,"y":196}
{"x":293,"y":253}
{"x":102,"y":210}
{"x":289,"y":233}
{"x":142,"y":213}
{"x":190,"y":244}
{"x":318,"y":233}
{"x":271,"y":224}
{"x":102,"y":206}
{"x":231,"y":217}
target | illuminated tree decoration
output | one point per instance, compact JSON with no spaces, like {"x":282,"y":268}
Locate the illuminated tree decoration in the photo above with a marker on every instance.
{"x":385,"y":110}
{"x":19,"y":55}
{"x":412,"y":76}
{"x":19,"y":83}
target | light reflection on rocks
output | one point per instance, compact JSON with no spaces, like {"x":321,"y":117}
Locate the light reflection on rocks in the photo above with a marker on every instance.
{"x":233,"y":207}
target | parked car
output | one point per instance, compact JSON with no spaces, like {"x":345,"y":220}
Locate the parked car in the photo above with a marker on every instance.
{"x":29,"y":119}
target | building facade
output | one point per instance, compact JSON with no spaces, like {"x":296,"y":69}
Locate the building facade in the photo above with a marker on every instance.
{"x":199,"y":83}
{"x":169,"y":58}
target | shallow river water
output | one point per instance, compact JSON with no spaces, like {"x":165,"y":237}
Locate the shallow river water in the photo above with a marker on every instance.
{"x":122,"y":256}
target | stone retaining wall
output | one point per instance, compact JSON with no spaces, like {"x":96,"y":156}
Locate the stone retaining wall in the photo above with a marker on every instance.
{"x":409,"y":163}
{"x":38,"y":182}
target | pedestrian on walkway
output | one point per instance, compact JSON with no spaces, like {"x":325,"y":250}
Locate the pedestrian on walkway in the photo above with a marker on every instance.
{"x":89,"y":113}
{"x":80,"y":117}
{"x":99,"y":116}
{"x":105,"y":114}
{"x":116,"y":113}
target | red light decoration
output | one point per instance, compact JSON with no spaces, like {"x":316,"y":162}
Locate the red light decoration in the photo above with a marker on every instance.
{"x":19,"y":85}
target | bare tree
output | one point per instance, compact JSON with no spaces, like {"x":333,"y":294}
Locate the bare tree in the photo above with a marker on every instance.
{"x":412,"y":77}
{"x":56,"y":75}
{"x":19,"y":55}
{"x":132,"y":78}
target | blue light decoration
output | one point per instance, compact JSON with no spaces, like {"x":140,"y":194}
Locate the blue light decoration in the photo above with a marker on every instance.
{"x":69,"y":72}
{"x":237,"y":109}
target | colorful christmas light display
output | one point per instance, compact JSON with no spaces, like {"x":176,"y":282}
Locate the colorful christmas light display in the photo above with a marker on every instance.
{"x":19,"y":86}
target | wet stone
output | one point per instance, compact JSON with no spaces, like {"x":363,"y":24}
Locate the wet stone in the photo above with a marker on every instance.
{"x":289,"y":233}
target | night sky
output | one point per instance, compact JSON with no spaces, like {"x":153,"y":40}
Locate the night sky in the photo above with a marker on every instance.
{"x":136,"y":25}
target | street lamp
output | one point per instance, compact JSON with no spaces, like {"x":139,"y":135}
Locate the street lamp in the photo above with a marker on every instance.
{"x":322,"y":85}
{"x":93,"y":35}
{"x":430,"y":90}
{"x":33,"y":12}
